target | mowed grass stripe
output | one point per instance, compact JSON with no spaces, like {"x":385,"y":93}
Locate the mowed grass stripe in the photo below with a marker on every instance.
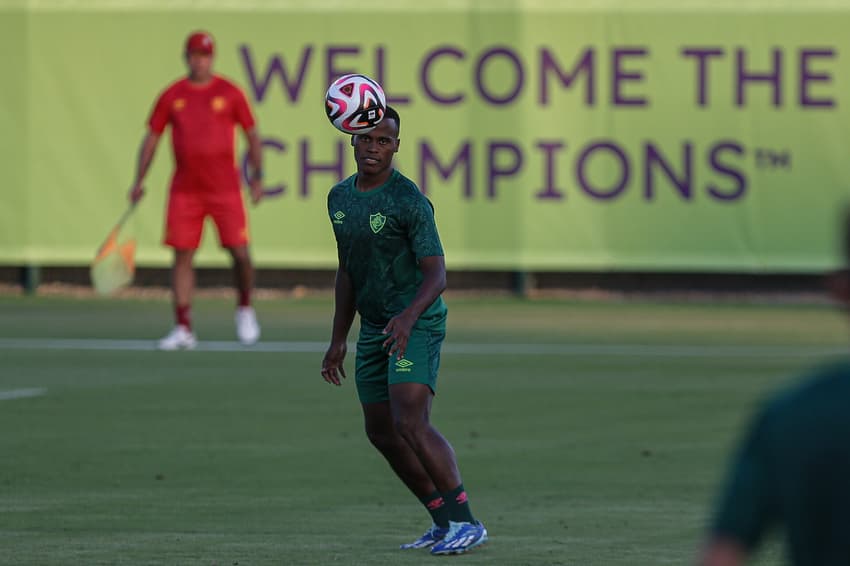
{"x":630,"y":350}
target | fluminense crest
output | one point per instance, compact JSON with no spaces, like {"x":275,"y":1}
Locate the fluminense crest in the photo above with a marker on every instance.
{"x":377,"y":221}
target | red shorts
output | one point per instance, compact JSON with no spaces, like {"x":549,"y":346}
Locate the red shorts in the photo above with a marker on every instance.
{"x":184,"y":221}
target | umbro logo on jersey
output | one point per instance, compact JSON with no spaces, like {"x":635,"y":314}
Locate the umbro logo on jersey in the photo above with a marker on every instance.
{"x":403,"y":365}
{"x":338,"y":216}
{"x":377,"y":221}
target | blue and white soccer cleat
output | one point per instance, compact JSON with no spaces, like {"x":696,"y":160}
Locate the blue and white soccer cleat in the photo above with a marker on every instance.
{"x":460,"y":538}
{"x":433,"y":535}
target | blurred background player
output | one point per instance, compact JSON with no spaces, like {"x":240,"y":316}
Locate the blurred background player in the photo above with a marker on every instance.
{"x":203,"y":109}
{"x":792,"y":469}
{"x":392,"y":271}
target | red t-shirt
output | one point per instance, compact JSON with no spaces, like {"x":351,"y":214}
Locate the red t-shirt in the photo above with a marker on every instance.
{"x":202,"y":122}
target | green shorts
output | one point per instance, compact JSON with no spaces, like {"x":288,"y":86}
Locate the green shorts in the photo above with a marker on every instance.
{"x":375,"y":371}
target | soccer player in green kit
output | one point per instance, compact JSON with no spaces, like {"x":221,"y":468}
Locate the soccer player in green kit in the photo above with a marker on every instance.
{"x":793,"y":469}
{"x":392,"y":271}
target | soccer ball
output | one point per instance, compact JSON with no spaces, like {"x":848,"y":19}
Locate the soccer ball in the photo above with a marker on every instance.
{"x":355,"y":104}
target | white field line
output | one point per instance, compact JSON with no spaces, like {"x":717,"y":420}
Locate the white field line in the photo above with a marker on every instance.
{"x":22,"y":393}
{"x":623,"y":350}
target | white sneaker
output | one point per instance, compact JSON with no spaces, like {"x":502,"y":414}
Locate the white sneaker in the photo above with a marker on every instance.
{"x":247,"y":328}
{"x":180,"y":338}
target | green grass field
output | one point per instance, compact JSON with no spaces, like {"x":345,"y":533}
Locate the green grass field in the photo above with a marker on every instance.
{"x":587,"y":433}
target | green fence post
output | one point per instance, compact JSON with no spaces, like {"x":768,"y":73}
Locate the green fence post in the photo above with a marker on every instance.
{"x":523,"y":283}
{"x":30,"y":278}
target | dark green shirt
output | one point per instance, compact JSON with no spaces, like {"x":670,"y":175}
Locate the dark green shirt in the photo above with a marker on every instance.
{"x":381,"y":235}
{"x":793,"y":471}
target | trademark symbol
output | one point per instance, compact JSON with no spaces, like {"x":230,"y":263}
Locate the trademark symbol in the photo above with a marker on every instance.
{"x":773,"y":159}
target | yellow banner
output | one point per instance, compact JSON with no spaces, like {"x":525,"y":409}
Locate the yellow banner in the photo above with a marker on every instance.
{"x":549,"y":136}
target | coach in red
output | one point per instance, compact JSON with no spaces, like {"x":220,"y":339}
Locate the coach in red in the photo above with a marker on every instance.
{"x":203,"y":109}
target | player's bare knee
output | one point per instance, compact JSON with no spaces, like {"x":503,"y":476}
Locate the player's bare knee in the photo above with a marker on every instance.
{"x":183,"y":257}
{"x":412,"y":428}
{"x":381,"y":439}
{"x":240,"y":255}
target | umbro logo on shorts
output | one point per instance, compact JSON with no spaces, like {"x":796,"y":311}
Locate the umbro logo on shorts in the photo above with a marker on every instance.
{"x":403,"y":365}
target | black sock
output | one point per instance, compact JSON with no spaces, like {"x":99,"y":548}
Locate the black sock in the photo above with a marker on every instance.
{"x":459,"y":510}
{"x":436,"y":506}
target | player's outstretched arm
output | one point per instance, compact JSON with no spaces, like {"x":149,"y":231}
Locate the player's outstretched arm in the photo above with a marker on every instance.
{"x":344,"y":309}
{"x":433,"y":284}
{"x":255,"y":158}
{"x":146,"y":152}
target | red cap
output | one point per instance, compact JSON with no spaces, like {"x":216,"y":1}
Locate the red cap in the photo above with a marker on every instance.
{"x":200,"y":42}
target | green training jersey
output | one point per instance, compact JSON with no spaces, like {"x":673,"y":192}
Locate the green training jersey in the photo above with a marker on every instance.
{"x":381,"y":235}
{"x":793,"y":471}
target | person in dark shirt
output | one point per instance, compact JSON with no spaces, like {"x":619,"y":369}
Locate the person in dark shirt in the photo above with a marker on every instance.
{"x":392,"y":271}
{"x":792,"y":469}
